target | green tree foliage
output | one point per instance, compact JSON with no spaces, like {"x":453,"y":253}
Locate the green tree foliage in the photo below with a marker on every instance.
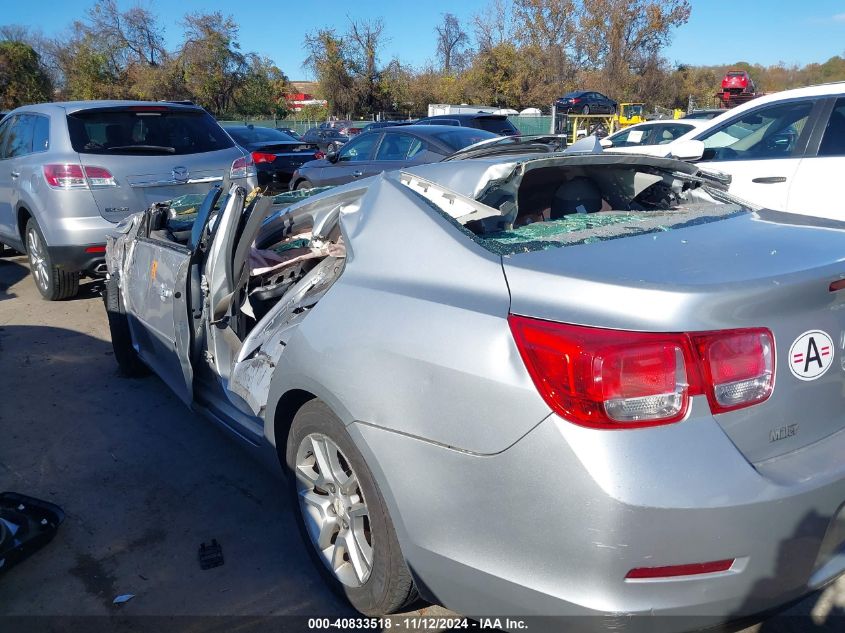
{"x":22,"y":79}
{"x":88,"y":70}
{"x":262,"y":90}
{"x":120,"y":54}
{"x":328,"y":59}
{"x":211,"y":60}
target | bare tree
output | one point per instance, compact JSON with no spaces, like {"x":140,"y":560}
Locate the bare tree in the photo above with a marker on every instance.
{"x":493,"y":25}
{"x":452,"y":43}
{"x":366,"y":38}
{"x":129,"y":36}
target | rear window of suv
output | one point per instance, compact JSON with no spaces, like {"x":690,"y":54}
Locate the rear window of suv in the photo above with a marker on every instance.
{"x":496,"y":125}
{"x":147,"y":131}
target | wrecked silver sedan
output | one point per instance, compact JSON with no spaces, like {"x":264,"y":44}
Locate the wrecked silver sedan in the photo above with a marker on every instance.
{"x":544,"y":384}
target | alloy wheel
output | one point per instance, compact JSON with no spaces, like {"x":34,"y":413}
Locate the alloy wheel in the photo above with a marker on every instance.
{"x":334,"y":509}
{"x":37,"y":258}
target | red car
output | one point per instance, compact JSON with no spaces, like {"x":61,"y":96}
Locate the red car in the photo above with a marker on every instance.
{"x":738,"y":82}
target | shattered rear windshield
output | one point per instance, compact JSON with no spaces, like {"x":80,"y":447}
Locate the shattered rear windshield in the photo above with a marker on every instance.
{"x":590,"y":228}
{"x":558,"y":201}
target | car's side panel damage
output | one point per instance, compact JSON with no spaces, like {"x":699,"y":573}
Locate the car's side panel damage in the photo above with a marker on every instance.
{"x":389,"y":300}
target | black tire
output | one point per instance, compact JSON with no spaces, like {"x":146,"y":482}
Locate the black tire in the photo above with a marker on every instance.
{"x":303,"y":184}
{"x":53,"y":283}
{"x":585,"y":110}
{"x":127,"y":359}
{"x":389,"y":586}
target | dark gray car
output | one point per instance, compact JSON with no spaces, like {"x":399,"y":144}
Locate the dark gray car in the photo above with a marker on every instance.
{"x":328,"y":139}
{"x":384,"y":150}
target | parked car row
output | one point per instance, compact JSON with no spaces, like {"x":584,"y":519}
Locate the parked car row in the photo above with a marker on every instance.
{"x":386,"y":149}
{"x":275,"y":153}
{"x":69,"y":172}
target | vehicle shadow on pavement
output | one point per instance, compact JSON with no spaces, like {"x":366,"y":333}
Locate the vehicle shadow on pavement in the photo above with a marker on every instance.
{"x":14,"y":268}
{"x":822,"y":611}
{"x":144,"y":482}
{"x":11,"y":272}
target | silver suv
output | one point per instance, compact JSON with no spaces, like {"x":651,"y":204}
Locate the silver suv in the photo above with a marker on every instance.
{"x":70,"y":171}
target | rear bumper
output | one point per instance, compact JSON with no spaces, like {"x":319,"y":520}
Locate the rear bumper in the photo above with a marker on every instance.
{"x":276,"y":177}
{"x":76,"y":258}
{"x":552,"y":525}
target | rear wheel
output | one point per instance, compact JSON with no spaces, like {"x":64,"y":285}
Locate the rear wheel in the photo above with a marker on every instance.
{"x":585,"y":110}
{"x":304,"y":184}
{"x":121,"y":338}
{"x":342,"y":515}
{"x":53,"y":283}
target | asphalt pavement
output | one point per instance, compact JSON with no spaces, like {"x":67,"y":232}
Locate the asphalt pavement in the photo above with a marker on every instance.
{"x":144,"y":482}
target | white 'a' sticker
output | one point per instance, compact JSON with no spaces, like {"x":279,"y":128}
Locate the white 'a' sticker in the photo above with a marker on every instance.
{"x":811,"y":355}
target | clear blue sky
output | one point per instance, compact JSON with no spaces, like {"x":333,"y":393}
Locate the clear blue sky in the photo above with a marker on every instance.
{"x":719,"y":31}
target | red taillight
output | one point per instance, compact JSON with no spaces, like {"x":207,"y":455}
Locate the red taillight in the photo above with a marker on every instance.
{"x":613,"y":379}
{"x":738,"y":367}
{"x":242,"y":167}
{"x":673,"y":571}
{"x":74,"y":176}
{"x":99,"y":177}
{"x":65,"y":176}
{"x":96,"y":249}
{"x":261,"y":157}
{"x":576,"y":100}
{"x":319,"y":155}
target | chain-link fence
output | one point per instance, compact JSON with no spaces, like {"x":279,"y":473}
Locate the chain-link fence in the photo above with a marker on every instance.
{"x":525,"y":124}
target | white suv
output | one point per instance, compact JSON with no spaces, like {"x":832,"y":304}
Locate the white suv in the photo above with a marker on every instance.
{"x":784,"y":151}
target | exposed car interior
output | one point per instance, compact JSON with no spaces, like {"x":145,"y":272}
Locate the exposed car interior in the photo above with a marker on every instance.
{"x":553,"y":193}
{"x":553,"y":202}
{"x":279,"y":249}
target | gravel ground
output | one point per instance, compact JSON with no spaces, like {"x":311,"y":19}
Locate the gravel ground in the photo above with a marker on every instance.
{"x":144,"y":481}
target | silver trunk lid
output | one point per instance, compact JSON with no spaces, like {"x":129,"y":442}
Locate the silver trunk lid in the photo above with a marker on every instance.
{"x":763,"y":269}
{"x":143,"y":180}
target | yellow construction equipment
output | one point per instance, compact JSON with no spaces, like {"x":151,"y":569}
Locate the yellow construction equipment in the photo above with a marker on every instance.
{"x":630,"y":114}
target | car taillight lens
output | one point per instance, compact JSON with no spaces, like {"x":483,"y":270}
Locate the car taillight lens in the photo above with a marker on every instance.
{"x":261,"y":157}
{"x":738,"y":366}
{"x":319,"y":155}
{"x":74,"y":176}
{"x":99,"y":177}
{"x":613,"y":379}
{"x":576,"y":100}
{"x":242,"y":167}
{"x":642,"y":382}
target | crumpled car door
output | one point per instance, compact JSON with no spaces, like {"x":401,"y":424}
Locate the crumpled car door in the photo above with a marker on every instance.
{"x":158,"y":288}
